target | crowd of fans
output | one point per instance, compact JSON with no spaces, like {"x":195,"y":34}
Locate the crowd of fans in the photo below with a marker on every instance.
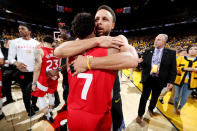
{"x":175,"y":42}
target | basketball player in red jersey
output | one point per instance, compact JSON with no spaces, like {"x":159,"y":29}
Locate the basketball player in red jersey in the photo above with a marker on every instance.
{"x":90,"y":92}
{"x":42,"y":84}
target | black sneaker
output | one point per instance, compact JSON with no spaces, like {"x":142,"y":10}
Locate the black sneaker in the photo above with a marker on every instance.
{"x":56,"y":105}
{"x":44,"y":117}
{"x":35,"y":108}
{"x":64,"y":108}
{"x":51,"y":113}
{"x":161,"y":100}
{"x":31,"y":114}
{"x":2,"y":116}
{"x":63,"y":127}
{"x":8,"y":102}
{"x":51,"y":120}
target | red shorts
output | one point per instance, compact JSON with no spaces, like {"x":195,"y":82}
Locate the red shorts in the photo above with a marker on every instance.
{"x":79,"y":120}
{"x":51,"y":89}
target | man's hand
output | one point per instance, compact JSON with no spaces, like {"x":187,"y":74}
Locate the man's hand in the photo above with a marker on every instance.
{"x":140,"y":60}
{"x":195,"y":70}
{"x":80,"y":64}
{"x":21,"y":66}
{"x":169,"y":86}
{"x":1,"y":61}
{"x":109,"y":42}
{"x":52,"y":73}
{"x":33,"y":87}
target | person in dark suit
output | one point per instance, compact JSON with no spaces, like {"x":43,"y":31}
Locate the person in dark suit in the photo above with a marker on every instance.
{"x":158,"y":71}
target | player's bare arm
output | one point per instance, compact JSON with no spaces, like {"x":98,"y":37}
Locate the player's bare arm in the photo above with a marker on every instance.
{"x":125,"y":58}
{"x":38,"y":53}
{"x":1,"y":61}
{"x":72,"y":48}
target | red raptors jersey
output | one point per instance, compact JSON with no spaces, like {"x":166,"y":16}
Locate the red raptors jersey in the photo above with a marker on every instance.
{"x":91,"y":91}
{"x":49,"y":62}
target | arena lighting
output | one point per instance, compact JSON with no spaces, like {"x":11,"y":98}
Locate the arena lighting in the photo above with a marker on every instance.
{"x":11,"y":20}
{"x":145,"y":28}
{"x":2,"y":18}
{"x":171,"y":24}
{"x":125,"y":31}
{"x":8,"y":11}
{"x":47,"y":27}
{"x":21,"y":22}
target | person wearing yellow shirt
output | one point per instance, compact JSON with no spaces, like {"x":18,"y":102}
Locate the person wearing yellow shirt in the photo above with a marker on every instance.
{"x":180,"y":52}
{"x":186,"y":78}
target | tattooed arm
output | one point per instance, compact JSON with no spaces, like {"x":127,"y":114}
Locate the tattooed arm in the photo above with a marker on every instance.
{"x":38,"y":54}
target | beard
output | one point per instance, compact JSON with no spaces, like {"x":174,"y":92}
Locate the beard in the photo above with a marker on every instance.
{"x":104,"y":33}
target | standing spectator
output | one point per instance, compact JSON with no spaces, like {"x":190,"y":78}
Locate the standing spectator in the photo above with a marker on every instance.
{"x":23,"y":48}
{"x":186,"y":78}
{"x":180,"y":52}
{"x":9,"y":74}
{"x":2,"y":115}
{"x":158,"y":70}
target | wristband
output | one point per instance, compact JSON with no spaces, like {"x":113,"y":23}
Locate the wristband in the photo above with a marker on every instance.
{"x":60,"y":69}
{"x":88,"y":63}
{"x":34,"y":83}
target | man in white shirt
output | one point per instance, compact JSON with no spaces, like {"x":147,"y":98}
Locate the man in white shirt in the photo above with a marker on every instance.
{"x":1,"y":63}
{"x":23,"y":48}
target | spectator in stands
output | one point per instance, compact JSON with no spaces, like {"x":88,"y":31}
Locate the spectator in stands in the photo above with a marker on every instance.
{"x":9,"y":74}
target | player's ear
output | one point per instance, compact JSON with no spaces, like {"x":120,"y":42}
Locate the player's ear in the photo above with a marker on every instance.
{"x":113,"y":25}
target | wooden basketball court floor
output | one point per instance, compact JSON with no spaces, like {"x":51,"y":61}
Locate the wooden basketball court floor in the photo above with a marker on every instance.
{"x":17,"y":120}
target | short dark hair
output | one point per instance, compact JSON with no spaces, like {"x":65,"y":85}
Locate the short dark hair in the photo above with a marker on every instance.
{"x":190,"y":46}
{"x":83,"y":25}
{"x":28,"y":27}
{"x":180,"y":50}
{"x":105,"y":7}
{"x":48,"y":39}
